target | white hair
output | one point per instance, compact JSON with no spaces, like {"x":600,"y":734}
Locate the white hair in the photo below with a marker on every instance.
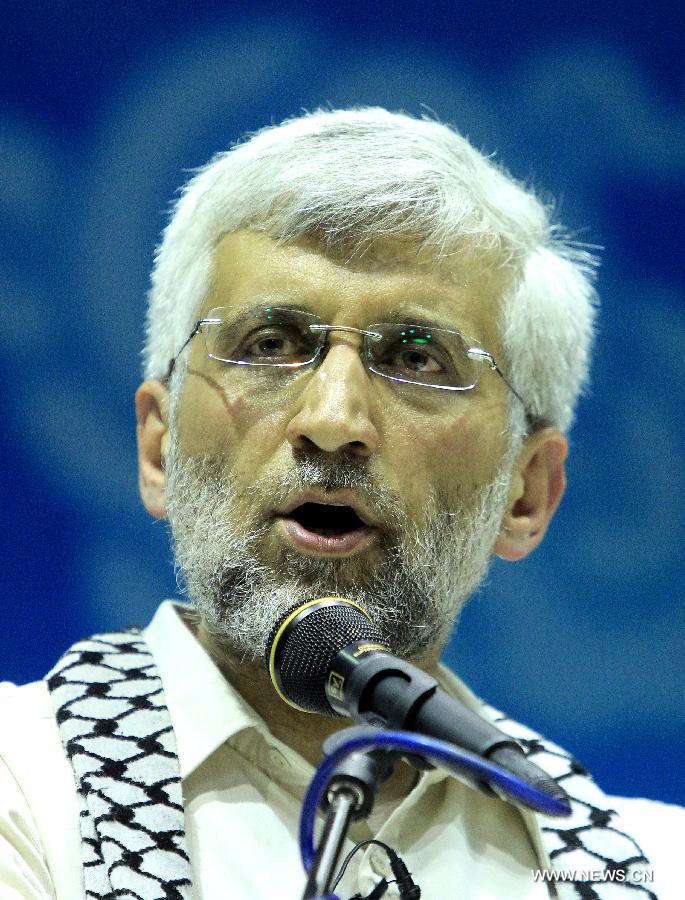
{"x":356,"y":175}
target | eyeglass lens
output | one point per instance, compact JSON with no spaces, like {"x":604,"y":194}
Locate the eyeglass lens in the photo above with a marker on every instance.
{"x":417,"y":354}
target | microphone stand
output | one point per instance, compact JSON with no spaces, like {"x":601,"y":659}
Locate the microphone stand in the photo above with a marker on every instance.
{"x":338,"y":819}
{"x":349,"y":797}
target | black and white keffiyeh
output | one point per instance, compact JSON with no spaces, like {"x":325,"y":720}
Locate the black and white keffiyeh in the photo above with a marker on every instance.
{"x":593,"y":840}
{"x":116,"y":730}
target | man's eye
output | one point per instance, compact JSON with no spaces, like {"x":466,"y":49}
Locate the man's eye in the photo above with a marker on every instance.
{"x":414,"y":358}
{"x":281,"y":343}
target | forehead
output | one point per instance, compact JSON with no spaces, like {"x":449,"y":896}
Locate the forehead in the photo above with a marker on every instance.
{"x":388,"y":277}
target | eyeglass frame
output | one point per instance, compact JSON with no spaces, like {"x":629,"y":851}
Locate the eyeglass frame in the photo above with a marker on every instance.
{"x":472,"y":352}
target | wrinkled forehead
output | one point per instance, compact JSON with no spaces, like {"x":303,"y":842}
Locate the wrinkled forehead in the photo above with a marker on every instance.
{"x":462,"y":289}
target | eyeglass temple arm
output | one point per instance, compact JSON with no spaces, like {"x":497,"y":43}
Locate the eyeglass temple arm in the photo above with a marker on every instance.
{"x":490,"y":359}
{"x":509,"y":385}
{"x":172,"y":362}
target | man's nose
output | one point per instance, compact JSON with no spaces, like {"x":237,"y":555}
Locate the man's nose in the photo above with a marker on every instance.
{"x":334,"y":411}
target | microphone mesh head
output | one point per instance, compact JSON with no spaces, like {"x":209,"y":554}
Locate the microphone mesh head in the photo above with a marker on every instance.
{"x":304,"y":651}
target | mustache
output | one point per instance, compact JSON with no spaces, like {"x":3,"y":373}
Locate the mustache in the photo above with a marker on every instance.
{"x":310,"y":468}
{"x":316,"y":469}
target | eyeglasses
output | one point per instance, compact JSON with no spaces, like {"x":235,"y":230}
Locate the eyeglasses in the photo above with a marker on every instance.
{"x":289,"y":339}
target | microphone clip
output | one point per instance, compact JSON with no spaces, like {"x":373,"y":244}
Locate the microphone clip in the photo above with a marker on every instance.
{"x":361,"y":774}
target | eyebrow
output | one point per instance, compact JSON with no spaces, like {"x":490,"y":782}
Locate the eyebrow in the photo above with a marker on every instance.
{"x":255,"y":305}
{"x":247,"y":311}
{"x":395,"y":315}
{"x":404,"y":315}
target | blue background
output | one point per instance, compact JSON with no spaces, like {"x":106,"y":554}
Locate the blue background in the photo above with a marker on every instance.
{"x":105,"y":105}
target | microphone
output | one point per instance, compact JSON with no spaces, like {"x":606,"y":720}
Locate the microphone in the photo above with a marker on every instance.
{"x":326,"y":656}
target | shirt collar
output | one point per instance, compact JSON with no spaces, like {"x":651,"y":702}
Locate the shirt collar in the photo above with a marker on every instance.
{"x":205,"y":710}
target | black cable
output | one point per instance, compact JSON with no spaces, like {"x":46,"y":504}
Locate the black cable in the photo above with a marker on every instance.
{"x":349,"y":856}
{"x":405,"y":884}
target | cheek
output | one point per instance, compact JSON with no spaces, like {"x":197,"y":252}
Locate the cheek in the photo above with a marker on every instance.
{"x":209,"y":419}
{"x":452,"y":455}
{"x":235,"y":423}
{"x":478,"y":439}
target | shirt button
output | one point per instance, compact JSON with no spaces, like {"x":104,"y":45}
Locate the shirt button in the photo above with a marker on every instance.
{"x":278,"y":760}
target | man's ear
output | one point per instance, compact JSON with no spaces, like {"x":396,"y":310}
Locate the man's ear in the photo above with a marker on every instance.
{"x":537,"y":486}
{"x":152,"y":416}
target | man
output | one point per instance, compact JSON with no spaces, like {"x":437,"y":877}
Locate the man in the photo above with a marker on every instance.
{"x":364,"y":347}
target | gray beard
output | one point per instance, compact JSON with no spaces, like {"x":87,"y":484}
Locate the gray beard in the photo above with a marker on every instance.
{"x":413,"y":594}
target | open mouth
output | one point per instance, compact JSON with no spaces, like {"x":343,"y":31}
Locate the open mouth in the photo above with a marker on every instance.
{"x":326,"y":519}
{"x":326,"y":528}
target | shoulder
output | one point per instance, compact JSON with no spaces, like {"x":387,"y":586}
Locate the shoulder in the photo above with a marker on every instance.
{"x":25,"y":711}
{"x":25,"y":718}
{"x":40,"y":844}
{"x":30,"y":745}
{"x":35,"y":790}
{"x":655,"y":827}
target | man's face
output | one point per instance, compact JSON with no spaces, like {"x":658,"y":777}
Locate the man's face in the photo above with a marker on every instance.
{"x":331,"y":479}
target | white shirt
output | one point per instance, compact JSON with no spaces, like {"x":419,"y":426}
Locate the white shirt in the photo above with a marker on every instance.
{"x":243,"y":791}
